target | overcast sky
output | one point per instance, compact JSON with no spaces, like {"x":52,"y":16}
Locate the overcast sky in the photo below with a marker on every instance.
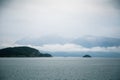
{"x":67,"y":18}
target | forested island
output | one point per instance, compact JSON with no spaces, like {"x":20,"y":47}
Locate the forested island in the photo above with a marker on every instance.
{"x":87,"y":56}
{"x":22,"y":52}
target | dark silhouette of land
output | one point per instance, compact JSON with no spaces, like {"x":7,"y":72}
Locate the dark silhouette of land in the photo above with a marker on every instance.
{"x":87,"y":56}
{"x":22,"y":52}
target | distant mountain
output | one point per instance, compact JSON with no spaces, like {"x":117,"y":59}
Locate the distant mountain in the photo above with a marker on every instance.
{"x":81,"y":54}
{"x":94,"y":41}
{"x":21,"y":52}
{"x":86,"y":41}
{"x":42,"y":40}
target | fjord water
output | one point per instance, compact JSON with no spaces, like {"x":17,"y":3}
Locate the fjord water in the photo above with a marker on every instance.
{"x":64,"y":68}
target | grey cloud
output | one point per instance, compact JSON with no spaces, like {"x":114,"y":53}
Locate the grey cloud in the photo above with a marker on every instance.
{"x":68,"y":18}
{"x":116,"y":3}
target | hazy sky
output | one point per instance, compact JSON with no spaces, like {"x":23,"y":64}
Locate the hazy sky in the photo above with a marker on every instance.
{"x":67,"y":18}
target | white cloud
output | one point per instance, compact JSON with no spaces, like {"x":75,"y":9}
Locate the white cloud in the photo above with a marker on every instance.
{"x":76,"y":48}
{"x":67,"y":48}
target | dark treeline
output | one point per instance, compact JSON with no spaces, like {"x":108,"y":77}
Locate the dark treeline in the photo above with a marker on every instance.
{"x":22,"y":52}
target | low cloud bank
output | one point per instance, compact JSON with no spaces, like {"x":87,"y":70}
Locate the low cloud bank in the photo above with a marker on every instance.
{"x":76,"y":48}
{"x":68,"y":48}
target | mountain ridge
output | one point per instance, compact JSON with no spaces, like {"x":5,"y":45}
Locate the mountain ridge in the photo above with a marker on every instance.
{"x":86,"y":41}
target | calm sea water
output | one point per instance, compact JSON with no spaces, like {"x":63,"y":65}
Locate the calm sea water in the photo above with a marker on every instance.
{"x":59,"y":69}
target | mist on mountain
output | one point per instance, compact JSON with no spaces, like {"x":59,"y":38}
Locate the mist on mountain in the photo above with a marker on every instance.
{"x":85,"y":41}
